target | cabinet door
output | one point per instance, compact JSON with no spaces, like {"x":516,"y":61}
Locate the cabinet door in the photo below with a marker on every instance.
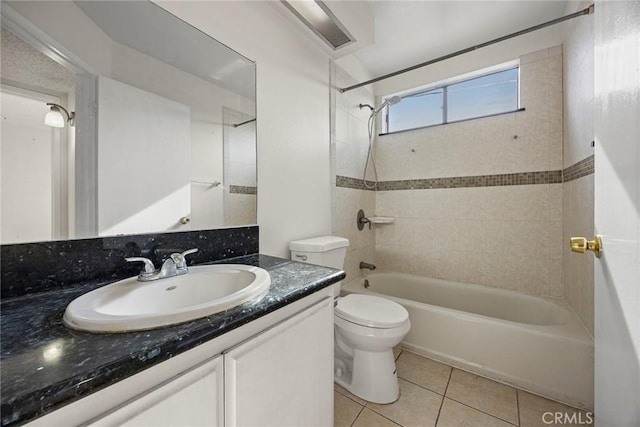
{"x":284,"y":376}
{"x":190,"y":399}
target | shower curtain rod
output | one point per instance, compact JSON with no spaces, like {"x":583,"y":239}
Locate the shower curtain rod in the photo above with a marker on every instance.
{"x":243,"y":123}
{"x":583,"y":12}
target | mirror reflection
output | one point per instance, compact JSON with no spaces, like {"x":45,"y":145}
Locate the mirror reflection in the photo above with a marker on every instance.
{"x":150,"y":123}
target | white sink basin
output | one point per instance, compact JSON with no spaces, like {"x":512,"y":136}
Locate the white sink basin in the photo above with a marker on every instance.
{"x":130,"y":305}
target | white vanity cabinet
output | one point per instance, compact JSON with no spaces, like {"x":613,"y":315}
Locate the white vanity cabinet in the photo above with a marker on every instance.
{"x":192,"y":399}
{"x":284,"y":376}
{"x":274,"y":371}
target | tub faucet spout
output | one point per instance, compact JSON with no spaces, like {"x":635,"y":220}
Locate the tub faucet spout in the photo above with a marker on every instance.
{"x":366,"y":265}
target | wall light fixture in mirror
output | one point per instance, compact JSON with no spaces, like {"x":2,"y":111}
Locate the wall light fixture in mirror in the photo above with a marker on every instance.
{"x":164,"y":135}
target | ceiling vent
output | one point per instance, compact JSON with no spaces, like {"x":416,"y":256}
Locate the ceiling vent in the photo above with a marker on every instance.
{"x":316,"y":15}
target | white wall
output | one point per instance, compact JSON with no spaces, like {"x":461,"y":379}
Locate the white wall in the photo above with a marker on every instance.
{"x":144,"y":160}
{"x":26,"y":147}
{"x":472,"y":61}
{"x":293,"y":115}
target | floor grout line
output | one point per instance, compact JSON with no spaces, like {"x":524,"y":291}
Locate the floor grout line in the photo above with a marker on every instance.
{"x":486,"y":413}
{"x":356,"y":418}
{"x":518,"y":405}
{"x":422,"y":387}
{"x":443,"y":397}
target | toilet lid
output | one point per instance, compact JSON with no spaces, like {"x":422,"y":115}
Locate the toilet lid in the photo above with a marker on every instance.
{"x":368,"y":310}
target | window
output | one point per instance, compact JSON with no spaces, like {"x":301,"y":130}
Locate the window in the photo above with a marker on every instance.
{"x":482,"y":96}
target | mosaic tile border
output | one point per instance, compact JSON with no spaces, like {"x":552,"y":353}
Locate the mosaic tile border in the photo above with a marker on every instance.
{"x":242,"y":189}
{"x":582,"y":168}
{"x":353,"y":183}
{"x":523,"y":178}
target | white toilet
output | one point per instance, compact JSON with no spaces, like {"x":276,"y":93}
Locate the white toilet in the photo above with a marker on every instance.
{"x":366,"y":328}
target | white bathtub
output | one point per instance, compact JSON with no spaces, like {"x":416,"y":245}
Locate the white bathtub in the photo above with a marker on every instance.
{"x":534,"y":343}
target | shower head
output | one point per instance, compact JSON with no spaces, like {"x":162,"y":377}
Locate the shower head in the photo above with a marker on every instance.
{"x":389,"y":101}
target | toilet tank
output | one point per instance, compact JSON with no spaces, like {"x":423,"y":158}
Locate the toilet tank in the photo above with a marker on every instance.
{"x":328,"y":251}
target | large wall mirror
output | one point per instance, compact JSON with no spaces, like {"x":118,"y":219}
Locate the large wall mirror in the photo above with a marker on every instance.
{"x":151,"y":124}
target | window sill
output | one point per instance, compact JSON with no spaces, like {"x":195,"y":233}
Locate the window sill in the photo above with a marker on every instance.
{"x":453,"y":122}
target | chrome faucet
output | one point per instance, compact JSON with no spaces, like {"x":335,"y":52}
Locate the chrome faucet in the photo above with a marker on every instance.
{"x":175,"y":265}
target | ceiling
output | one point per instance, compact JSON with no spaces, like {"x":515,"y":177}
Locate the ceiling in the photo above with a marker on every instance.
{"x":145,"y":27}
{"x":26,"y":67}
{"x":411,"y":32}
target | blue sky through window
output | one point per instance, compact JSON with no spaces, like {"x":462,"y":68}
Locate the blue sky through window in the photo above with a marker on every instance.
{"x":481,"y":96}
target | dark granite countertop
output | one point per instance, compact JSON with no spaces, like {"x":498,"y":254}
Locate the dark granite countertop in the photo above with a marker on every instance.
{"x":45,"y":365}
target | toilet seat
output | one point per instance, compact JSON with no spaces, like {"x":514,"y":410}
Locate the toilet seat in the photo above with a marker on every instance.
{"x":371,"y":311}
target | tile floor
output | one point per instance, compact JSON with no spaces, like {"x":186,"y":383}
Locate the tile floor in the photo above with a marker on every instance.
{"x":434,"y":394}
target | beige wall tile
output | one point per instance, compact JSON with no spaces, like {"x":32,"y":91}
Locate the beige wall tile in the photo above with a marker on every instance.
{"x":556,"y":121}
{"x":530,"y":151}
{"x":493,"y":398}
{"x":456,"y":221}
{"x":501,"y":271}
{"x":448,"y":265}
{"x":534,"y":56}
{"x":416,"y":407}
{"x":447,"y":234}
{"x":424,"y":204}
{"x":385,"y":256}
{"x":555,"y":202}
{"x":555,"y":51}
{"x":385,"y":234}
{"x":532,"y":202}
{"x":473,"y":266}
{"x":578,"y":270}
{"x":533,"y":274}
{"x":424,"y":372}
{"x":423,"y":232}
{"x":425,"y":260}
{"x":345,"y":410}
{"x":394,"y":203}
{"x":454,"y":414}
{"x":578,"y":70}
{"x":404,"y":229}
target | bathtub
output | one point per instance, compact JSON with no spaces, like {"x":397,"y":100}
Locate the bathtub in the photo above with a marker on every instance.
{"x":534,"y":343}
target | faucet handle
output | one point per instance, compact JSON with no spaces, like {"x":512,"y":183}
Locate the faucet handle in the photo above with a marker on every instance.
{"x":190,"y":251}
{"x":179,"y":259}
{"x":148,"y":268}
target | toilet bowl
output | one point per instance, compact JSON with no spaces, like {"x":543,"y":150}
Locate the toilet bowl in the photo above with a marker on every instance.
{"x":366,"y":328}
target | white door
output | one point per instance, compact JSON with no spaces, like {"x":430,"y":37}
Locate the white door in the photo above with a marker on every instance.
{"x":617,"y":212}
{"x":284,"y":376}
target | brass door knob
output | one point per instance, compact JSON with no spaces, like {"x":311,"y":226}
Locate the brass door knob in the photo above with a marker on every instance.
{"x":582,"y":245}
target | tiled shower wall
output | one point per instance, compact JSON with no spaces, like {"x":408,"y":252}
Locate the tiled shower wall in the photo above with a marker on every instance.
{"x":578,"y":188}
{"x":503,"y":231}
{"x":349,"y":144}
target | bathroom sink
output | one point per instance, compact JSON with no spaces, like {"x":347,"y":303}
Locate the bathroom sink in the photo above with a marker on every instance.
{"x":131,"y":305}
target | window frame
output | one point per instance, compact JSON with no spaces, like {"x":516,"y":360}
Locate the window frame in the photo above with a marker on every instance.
{"x":444,"y":85}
